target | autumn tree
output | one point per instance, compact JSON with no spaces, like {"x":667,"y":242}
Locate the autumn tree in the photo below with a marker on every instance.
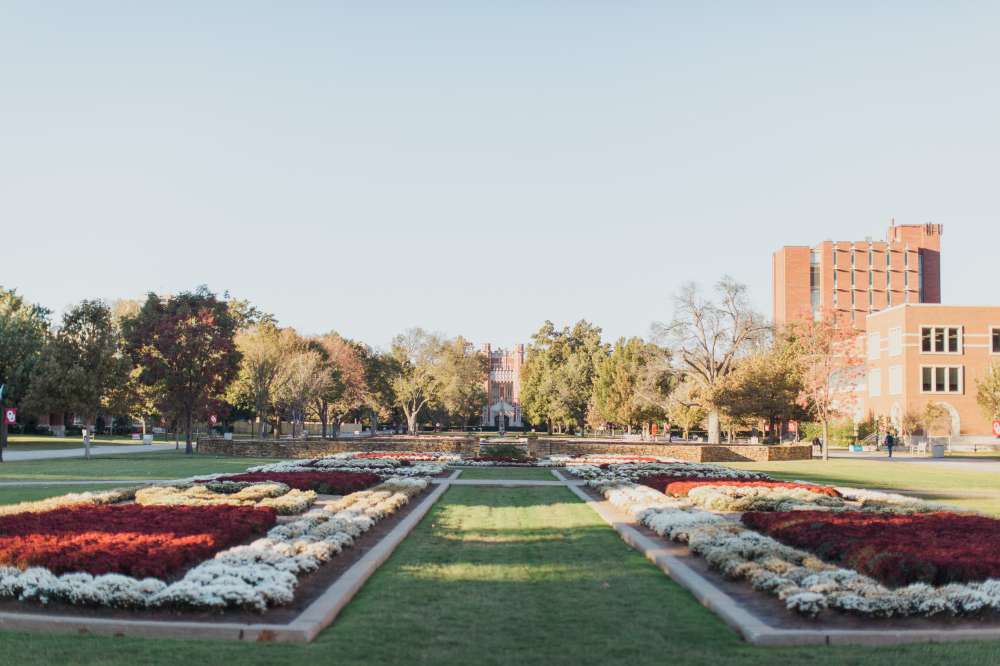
{"x":988,"y":392}
{"x":685,"y":406}
{"x":763,"y":386}
{"x":347,"y":389}
{"x":262,"y":357}
{"x":186,"y":345}
{"x":709,"y":336}
{"x":418,"y":356}
{"x":81,"y":365}
{"x":462,"y":381}
{"x":831,"y":366}
{"x":23,"y":331}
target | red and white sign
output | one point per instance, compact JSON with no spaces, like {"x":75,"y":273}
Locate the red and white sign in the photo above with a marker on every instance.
{"x":213,"y":419}
{"x":10,"y":416}
{"x":996,"y":427}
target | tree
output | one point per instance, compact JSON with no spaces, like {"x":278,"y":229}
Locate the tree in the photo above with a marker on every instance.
{"x":988,"y":392}
{"x":462,"y":380}
{"x":261,"y":360}
{"x":186,"y":345}
{"x":831,"y":366}
{"x":616,"y":397}
{"x":307,"y":376}
{"x":23,"y":331}
{"x":381,"y":369}
{"x":418,"y":356}
{"x":558,"y":374}
{"x":82,"y":365}
{"x":710,"y":336}
{"x":934,"y":415}
{"x":763,"y":386}
{"x":685,"y":407}
{"x":348,"y":386}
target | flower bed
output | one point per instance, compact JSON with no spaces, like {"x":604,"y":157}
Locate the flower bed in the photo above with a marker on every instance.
{"x":277,"y":496}
{"x":682,"y":487}
{"x":126,"y":539}
{"x":934,"y":548}
{"x":347,"y":462}
{"x":323,"y":482}
{"x":675,"y":470}
{"x":805,"y":583}
{"x":410,"y":456}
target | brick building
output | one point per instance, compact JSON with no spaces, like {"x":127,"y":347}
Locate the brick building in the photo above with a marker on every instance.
{"x":922,"y":353}
{"x":856,"y":278}
{"x":503,"y":387}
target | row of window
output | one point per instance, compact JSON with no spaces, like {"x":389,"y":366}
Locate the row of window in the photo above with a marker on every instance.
{"x":933,"y":379}
{"x":933,"y":340}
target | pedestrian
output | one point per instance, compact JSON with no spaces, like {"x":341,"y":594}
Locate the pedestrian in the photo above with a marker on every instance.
{"x":890,"y":441}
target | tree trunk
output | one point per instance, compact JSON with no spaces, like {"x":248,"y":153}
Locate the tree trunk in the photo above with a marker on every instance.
{"x":713,"y":426}
{"x":826,"y":440}
{"x":411,"y":423}
{"x":3,"y":434}
{"x":188,"y":448}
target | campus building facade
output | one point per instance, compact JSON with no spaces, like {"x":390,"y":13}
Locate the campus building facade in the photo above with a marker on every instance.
{"x":853,"y":279}
{"x":917,"y":354}
{"x":503,"y":387}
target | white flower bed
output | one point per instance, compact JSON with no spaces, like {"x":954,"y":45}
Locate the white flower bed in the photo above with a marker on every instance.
{"x":71,"y":499}
{"x":340,"y":462}
{"x":258,"y":575}
{"x":757,"y":498}
{"x":278,"y":496}
{"x":633,"y":471}
{"x":805,"y":583}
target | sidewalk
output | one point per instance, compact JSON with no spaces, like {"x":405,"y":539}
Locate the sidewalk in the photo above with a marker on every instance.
{"x":95,"y":450}
{"x":953,"y":462}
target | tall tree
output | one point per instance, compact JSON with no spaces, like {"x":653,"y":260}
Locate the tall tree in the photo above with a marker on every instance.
{"x":685,"y":407}
{"x":418,"y":355}
{"x":616,"y":397}
{"x":764,"y":386}
{"x":23,"y":331}
{"x":831,"y":366}
{"x":710,"y":335}
{"x":82,"y":365}
{"x":186,"y":345}
{"x":557,"y":378}
{"x":381,"y":370}
{"x":462,"y":379}
{"x":262,"y":356}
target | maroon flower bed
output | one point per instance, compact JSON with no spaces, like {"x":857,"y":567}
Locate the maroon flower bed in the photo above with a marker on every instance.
{"x":325,"y":483}
{"x":681,"y":487}
{"x":935,"y":548}
{"x":127,"y":539}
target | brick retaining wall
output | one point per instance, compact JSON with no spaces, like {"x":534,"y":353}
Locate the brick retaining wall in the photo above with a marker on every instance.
{"x":541,"y":447}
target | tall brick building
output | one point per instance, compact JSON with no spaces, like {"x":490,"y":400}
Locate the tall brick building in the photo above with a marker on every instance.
{"x":503,"y":387}
{"x":856,"y":278}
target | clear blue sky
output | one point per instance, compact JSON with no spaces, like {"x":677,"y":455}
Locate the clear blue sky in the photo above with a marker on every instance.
{"x":477,"y":167}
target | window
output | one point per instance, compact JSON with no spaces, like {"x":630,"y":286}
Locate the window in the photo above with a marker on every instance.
{"x":940,"y":339}
{"x":942,"y":378}
{"x":896,"y":380}
{"x":874,"y":343}
{"x":874,"y":383}
{"x":996,"y":340}
{"x":895,"y":341}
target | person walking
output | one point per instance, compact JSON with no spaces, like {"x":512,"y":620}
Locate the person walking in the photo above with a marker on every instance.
{"x":890,"y":441}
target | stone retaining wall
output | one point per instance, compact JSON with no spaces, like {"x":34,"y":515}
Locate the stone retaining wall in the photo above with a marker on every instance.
{"x":541,"y":447}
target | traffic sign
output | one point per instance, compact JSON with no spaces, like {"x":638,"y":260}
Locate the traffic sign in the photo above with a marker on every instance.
{"x":213,"y":419}
{"x":10,"y":416}
{"x":996,"y":427}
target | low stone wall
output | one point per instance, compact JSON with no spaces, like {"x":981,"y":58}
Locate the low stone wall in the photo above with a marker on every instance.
{"x":541,"y":447}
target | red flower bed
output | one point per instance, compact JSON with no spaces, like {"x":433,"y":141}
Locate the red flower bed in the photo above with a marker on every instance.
{"x":127,"y":539}
{"x":325,"y":483}
{"x":682,"y":486}
{"x":935,"y":548}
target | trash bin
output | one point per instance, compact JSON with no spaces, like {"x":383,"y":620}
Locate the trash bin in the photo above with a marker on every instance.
{"x":937,"y":450}
{"x":147,"y":439}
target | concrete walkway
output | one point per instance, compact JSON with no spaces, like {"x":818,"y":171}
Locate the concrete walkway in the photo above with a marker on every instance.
{"x":95,"y":450}
{"x":972,"y":463}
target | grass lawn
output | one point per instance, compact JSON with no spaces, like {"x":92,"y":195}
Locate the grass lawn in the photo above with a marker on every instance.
{"x":153,"y":465}
{"x":519,"y":473}
{"x":964,"y":487}
{"x":15,"y":494}
{"x":502,"y":576}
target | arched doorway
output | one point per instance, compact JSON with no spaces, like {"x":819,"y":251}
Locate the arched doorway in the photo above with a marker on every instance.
{"x":955,"y":421}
